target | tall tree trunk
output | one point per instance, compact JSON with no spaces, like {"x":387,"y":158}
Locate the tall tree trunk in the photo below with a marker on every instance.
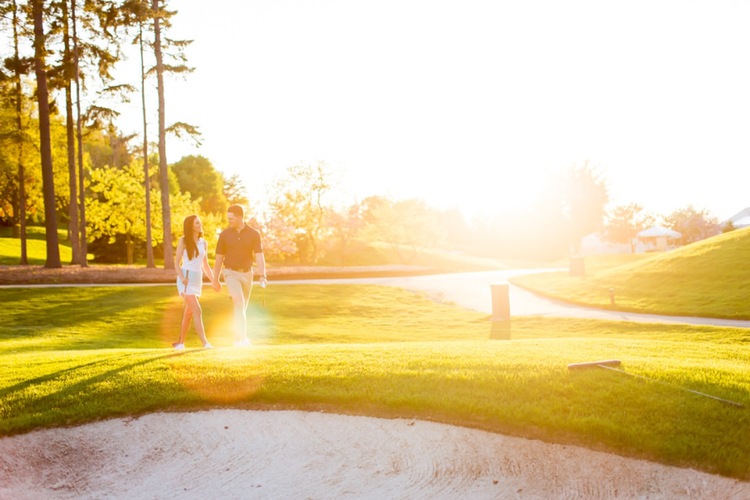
{"x":48,"y":184}
{"x":129,"y":247}
{"x":21,"y":141}
{"x":71,"y":142}
{"x":146,"y":175}
{"x":163,"y":167}
{"x":79,"y":133}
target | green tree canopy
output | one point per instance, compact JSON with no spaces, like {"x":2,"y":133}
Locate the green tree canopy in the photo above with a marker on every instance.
{"x":585,"y":197}
{"x":198,"y":177}
{"x":117,"y":206}
{"x":300,"y":203}
{"x":695,"y":225}
{"x":235,"y":191}
{"x":625,"y":222}
{"x":403,"y":224}
{"x":13,"y":143}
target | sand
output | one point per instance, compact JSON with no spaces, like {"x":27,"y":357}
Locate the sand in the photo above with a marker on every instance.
{"x":301,"y":455}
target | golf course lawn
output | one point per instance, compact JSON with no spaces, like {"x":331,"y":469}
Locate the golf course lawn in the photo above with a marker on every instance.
{"x":74,"y":355}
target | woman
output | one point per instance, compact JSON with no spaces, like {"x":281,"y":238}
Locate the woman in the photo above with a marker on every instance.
{"x":191,"y":261}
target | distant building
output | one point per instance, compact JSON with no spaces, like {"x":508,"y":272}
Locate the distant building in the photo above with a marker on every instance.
{"x":660,"y":238}
{"x":596,"y":244}
{"x":653,"y":239}
{"x":738,"y":220}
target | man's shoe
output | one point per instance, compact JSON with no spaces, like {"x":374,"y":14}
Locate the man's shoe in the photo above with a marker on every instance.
{"x":207,"y":345}
{"x":242,"y":343}
{"x":179,"y":347}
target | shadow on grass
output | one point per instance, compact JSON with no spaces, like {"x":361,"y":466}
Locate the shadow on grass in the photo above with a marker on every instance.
{"x":105,"y":318}
{"x":4,"y":392}
{"x":78,"y":399}
{"x":53,"y":305}
{"x":89,"y":318}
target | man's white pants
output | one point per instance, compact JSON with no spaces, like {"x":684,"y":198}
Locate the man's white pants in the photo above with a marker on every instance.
{"x":240,"y":285}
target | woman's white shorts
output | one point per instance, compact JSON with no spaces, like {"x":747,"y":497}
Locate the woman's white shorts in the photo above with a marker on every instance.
{"x":194,"y":285}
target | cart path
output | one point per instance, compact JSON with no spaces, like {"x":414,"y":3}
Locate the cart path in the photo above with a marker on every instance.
{"x":473,"y":291}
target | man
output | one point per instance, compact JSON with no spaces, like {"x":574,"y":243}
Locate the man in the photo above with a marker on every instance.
{"x":238,"y":247}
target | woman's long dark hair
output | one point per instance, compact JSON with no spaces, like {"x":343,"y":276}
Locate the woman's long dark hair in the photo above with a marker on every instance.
{"x":187,"y":231}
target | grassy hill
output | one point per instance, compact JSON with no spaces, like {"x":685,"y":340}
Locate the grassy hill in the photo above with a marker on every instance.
{"x":36,"y":246}
{"x":708,"y":278}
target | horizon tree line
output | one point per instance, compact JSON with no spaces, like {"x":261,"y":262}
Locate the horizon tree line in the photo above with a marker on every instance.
{"x":66,"y":51}
{"x":71,"y":48}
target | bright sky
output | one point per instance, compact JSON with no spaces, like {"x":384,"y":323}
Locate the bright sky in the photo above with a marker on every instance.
{"x":472,"y":103}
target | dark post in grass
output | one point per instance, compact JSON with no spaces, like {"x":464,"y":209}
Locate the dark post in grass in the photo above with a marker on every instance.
{"x":500,"y":329}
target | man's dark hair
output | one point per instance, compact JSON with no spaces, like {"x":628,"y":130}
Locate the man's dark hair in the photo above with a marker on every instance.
{"x":236,"y":210}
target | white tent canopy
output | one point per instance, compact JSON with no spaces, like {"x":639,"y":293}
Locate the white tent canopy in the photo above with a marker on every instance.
{"x":659,"y":231}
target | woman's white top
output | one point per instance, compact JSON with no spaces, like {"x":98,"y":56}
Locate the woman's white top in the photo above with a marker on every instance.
{"x":196,"y":263}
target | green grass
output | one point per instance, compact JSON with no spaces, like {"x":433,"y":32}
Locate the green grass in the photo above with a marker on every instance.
{"x":710,"y":278}
{"x":75,"y":355}
{"x":32,"y":232}
{"x":36,"y":246}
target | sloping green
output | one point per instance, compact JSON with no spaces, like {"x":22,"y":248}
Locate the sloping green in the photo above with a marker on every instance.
{"x":708,"y":278}
{"x":36,"y":246}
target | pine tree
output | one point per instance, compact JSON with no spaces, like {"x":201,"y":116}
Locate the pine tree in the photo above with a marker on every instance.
{"x":146,"y":172}
{"x":40,"y":69}
{"x":161,"y":19}
{"x":20,"y":67}
{"x":68,"y":66}
{"x":163,"y":167}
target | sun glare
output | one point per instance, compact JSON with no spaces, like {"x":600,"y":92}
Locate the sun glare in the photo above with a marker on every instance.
{"x":476,"y":108}
{"x":494,"y":191}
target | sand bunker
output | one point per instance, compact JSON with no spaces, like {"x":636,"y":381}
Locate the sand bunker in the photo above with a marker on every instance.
{"x":292,"y":454}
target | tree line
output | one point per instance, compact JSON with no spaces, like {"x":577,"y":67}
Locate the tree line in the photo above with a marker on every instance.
{"x":63,"y":161}
{"x":304,"y":226}
{"x":58,"y":54}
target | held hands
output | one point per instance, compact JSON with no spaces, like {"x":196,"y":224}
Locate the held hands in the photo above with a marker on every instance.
{"x":216,"y":285}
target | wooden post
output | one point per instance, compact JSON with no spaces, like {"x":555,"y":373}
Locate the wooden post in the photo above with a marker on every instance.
{"x":500,"y":329}
{"x":500,"y":302}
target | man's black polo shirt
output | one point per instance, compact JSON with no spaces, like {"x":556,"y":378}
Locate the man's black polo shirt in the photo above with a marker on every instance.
{"x":239,"y":248}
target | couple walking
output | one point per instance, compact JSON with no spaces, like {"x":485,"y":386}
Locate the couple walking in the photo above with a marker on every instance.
{"x":238,"y":247}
